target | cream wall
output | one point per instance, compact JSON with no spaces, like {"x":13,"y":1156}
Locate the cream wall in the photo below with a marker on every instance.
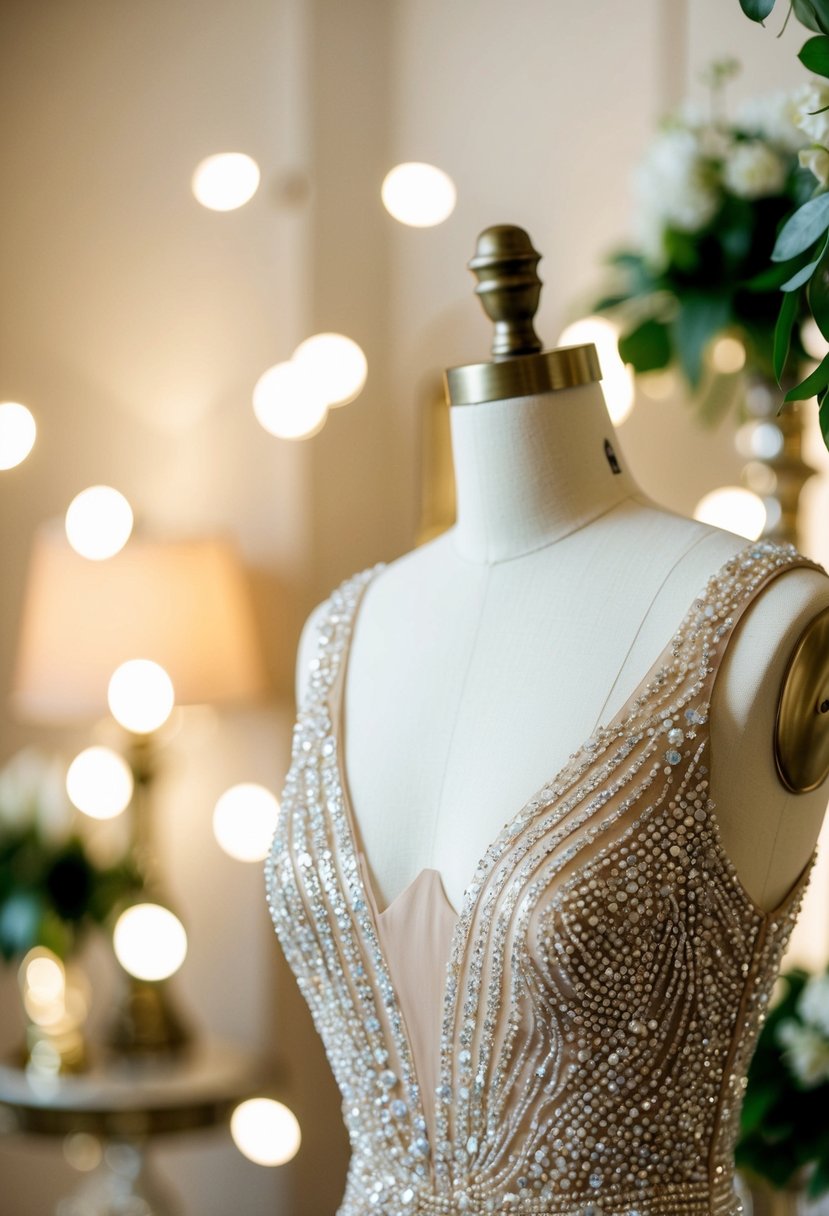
{"x":134,"y":324}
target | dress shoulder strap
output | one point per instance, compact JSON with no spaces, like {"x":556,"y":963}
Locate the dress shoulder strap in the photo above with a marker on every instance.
{"x":734,"y":588}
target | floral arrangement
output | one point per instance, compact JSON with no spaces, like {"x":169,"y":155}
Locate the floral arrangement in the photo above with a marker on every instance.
{"x":802,"y":247}
{"x":51,"y":888}
{"x":785,"y":1116}
{"x":712,"y":198}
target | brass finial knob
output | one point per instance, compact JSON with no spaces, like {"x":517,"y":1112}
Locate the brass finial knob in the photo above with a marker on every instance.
{"x":509,"y":288}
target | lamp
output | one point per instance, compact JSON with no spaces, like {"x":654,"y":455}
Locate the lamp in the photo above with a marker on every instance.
{"x":184,"y":605}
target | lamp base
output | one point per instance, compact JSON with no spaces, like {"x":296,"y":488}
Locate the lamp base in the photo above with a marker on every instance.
{"x":147,"y":1023}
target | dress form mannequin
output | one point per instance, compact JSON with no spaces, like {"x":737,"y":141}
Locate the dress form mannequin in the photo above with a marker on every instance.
{"x":482,"y":660}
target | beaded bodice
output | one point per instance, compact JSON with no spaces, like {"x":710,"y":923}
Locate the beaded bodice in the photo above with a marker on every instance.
{"x":604,"y":982}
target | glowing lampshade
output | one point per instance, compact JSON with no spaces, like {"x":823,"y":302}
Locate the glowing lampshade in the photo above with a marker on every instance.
{"x":617,"y":378}
{"x":287,"y":404}
{"x":333,"y":365}
{"x":141,"y":696}
{"x":149,"y":941}
{"x":735,"y":509}
{"x":99,"y":783}
{"x":265,"y":1131}
{"x":17,"y":433}
{"x":244,"y":821}
{"x":184,"y":604}
{"x":418,"y":194}
{"x":98,"y":522}
{"x":225,"y":181}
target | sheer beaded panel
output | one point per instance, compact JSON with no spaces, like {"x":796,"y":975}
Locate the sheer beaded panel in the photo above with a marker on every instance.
{"x":608,"y":974}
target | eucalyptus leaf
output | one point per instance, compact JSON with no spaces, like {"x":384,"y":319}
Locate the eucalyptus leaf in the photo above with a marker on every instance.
{"x":814,"y":14}
{"x":757,"y":10}
{"x":783,"y":332}
{"x":647,"y":347}
{"x":699,"y":318}
{"x":775,"y":275}
{"x":814,"y":55}
{"x":803,"y":275}
{"x":813,"y":383}
{"x":818,"y":293}
{"x":802,"y":229}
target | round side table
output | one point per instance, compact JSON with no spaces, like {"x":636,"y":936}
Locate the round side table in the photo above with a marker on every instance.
{"x":123,"y":1104}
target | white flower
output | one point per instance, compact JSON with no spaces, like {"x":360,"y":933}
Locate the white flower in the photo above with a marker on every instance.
{"x":33,"y":794}
{"x":753,"y":170}
{"x":774,"y":117}
{"x":816,"y":159}
{"x":806,"y":1052}
{"x":673,"y":186}
{"x":813,"y":1005}
{"x":811,"y":97}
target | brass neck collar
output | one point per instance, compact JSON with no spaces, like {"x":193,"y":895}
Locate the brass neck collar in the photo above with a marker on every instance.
{"x":522,"y":376}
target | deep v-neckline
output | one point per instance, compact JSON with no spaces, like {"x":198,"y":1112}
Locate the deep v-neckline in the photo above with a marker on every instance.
{"x":472,"y":890}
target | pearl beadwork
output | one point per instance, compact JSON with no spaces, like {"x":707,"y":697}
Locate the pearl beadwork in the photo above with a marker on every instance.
{"x":608,"y":973}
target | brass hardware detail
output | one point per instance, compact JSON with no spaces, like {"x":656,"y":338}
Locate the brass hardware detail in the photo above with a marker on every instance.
{"x":509,"y":290}
{"x":801,"y":730}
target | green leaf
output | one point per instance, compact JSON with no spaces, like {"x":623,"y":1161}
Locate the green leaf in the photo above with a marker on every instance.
{"x":774,"y":276}
{"x":682,"y":249}
{"x":803,"y":275}
{"x":783,"y":332}
{"x":813,"y":384}
{"x":698,"y":319}
{"x":814,"y":14}
{"x":647,"y":347}
{"x":818,"y":294}
{"x":802,"y":229}
{"x":814,"y":55}
{"x":823,"y":417}
{"x":819,"y":1181}
{"x":757,"y":10}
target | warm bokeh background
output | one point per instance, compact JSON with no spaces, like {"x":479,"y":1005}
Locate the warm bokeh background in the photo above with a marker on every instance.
{"x":134,"y":324}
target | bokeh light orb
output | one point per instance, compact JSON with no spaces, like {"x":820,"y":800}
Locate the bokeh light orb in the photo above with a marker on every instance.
{"x":141,"y":696}
{"x":418,"y":194}
{"x":42,"y":982}
{"x":287,"y":404}
{"x":333,"y":365}
{"x":99,"y":783}
{"x":617,"y":378}
{"x":735,"y":509}
{"x":727,"y":355}
{"x":98,"y":522}
{"x":18,"y":432}
{"x":244,"y":821}
{"x":225,"y":181}
{"x":265,"y":1131}
{"x":149,"y":941}
{"x":82,"y":1151}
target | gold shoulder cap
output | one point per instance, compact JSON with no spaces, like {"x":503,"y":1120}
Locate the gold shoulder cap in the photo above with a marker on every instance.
{"x":801,"y":730}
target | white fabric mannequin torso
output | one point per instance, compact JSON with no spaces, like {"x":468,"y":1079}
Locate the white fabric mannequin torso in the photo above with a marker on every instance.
{"x":481,"y":660}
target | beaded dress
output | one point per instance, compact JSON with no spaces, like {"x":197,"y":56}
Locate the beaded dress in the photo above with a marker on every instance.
{"x":574,"y":1041}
